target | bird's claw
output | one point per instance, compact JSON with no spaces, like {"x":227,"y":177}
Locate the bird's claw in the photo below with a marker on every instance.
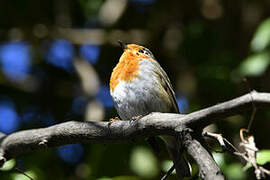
{"x":134,"y":118}
{"x":112,"y":120}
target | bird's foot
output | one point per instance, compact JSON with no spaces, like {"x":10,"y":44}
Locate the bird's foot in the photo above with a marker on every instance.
{"x":134,"y":118}
{"x":112,"y":120}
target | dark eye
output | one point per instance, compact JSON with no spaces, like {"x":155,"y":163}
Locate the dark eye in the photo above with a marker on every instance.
{"x":141,"y":51}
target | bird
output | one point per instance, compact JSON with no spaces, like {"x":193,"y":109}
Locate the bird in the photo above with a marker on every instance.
{"x":139,"y":86}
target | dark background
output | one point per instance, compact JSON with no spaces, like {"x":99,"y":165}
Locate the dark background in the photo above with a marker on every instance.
{"x":56,"y":57}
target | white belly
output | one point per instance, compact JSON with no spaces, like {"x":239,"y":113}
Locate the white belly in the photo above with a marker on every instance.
{"x":140,"y":97}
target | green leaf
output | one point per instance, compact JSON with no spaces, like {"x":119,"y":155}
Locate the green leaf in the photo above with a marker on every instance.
{"x":255,"y":65}
{"x":263,"y":156}
{"x":8,"y":165}
{"x":32,"y":174}
{"x":261,"y":37}
{"x":247,"y":166}
{"x":219,"y":158}
{"x":143,"y":162}
{"x":166,"y":165}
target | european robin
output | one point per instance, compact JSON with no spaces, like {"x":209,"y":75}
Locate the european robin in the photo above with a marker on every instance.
{"x":139,"y":86}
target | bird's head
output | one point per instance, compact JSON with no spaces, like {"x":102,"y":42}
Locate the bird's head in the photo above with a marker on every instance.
{"x":127,"y":68}
{"x":136,"y":51}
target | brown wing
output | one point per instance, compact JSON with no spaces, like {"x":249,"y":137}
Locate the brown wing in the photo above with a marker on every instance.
{"x":181,"y":165}
{"x":167,"y":86}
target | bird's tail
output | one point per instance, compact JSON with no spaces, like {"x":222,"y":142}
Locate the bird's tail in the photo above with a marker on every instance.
{"x":182,"y":167}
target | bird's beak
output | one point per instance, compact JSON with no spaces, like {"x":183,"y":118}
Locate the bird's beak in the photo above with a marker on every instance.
{"x":123,"y":45}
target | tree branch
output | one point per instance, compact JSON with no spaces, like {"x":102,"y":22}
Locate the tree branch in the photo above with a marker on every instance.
{"x":19,"y":143}
{"x":208,"y":169}
{"x":235,"y":106}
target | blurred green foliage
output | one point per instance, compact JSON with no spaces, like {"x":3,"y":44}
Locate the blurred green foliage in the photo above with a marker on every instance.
{"x":207,"y":47}
{"x":90,"y":8}
{"x":261,"y":37}
{"x":8,"y":165}
{"x":143,"y":162}
{"x":255,"y":65}
{"x":263,"y":156}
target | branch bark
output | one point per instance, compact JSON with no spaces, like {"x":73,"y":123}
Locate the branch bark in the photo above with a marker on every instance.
{"x":19,"y":143}
{"x":208,"y":169}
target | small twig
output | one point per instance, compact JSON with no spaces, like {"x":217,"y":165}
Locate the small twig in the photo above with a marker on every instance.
{"x":224,"y":143}
{"x":218,"y":137}
{"x":22,"y":172}
{"x":254,"y":108}
{"x":266,"y":171}
{"x":252,"y":117}
{"x":248,"y":143}
{"x":169,"y":172}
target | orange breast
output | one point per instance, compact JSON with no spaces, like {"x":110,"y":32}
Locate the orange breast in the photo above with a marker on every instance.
{"x":126,"y":69}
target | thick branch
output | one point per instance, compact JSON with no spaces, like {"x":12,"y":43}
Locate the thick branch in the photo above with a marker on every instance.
{"x":208,"y":169}
{"x":235,"y":106}
{"x":71,"y":132}
{"x":22,"y":142}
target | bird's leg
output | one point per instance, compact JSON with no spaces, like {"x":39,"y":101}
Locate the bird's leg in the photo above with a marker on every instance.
{"x":112,"y":120}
